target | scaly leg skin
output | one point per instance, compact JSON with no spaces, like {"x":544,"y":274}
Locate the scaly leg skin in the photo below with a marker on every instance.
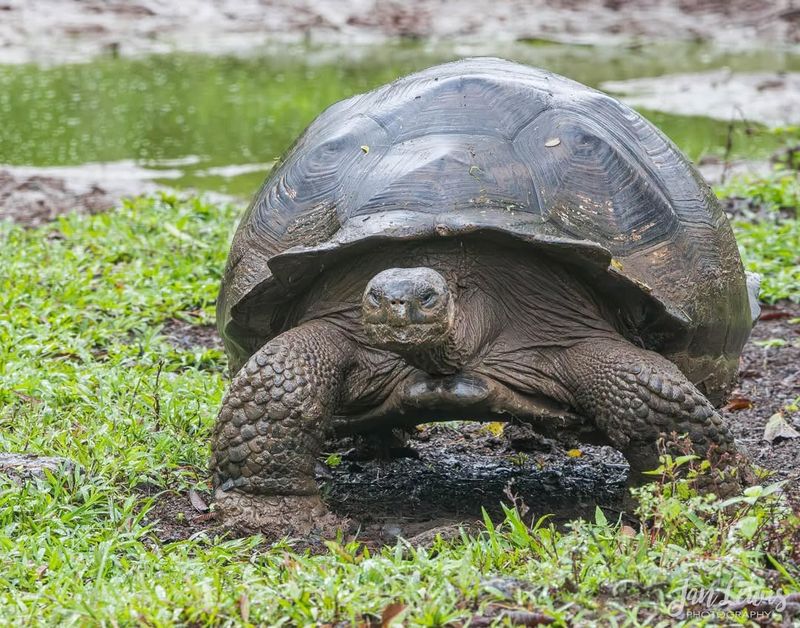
{"x":270,"y":429}
{"x":636,"y":396}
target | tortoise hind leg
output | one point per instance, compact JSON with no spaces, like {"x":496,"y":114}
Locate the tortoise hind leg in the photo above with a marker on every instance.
{"x":636,"y":396}
{"x":270,"y":429}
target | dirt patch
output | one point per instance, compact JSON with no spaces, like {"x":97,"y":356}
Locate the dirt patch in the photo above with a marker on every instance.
{"x":769,"y":383}
{"x":33,"y":195}
{"x":175,"y":518}
{"x":456,"y":470}
{"x":36,"y":200}
{"x":183,"y":335}
{"x":766,"y":97}
{"x":753,"y":209}
{"x":58,"y":31}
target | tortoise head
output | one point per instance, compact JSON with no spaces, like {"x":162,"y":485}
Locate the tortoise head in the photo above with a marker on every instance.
{"x":408,"y":309}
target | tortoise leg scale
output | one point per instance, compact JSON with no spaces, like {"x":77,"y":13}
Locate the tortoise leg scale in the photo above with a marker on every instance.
{"x":637,"y":396}
{"x":270,"y":429}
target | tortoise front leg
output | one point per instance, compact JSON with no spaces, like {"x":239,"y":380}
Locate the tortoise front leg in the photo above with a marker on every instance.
{"x":271,"y":427}
{"x":636,"y":396}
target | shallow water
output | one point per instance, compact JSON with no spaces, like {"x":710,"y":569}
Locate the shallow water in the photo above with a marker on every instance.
{"x":217,"y":123}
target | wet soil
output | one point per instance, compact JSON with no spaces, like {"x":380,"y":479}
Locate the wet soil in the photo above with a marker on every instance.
{"x":457,"y":469}
{"x":440,"y":477}
{"x":752,"y":209}
{"x":35,"y":200}
{"x":175,"y":518}
{"x":769,"y":98}
{"x":769,"y":382}
{"x":58,"y":31}
{"x":33,"y":196}
{"x":183,"y":335}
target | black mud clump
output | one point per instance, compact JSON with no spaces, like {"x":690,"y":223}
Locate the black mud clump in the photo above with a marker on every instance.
{"x":449,"y":472}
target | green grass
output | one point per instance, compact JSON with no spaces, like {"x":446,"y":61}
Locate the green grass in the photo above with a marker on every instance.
{"x":86,"y":373}
{"x":769,"y":241}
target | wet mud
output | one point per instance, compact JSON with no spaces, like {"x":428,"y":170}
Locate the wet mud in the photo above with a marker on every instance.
{"x":769,"y":98}
{"x":35,"y":200}
{"x":183,"y":335}
{"x":456,"y":470}
{"x":33,"y":196}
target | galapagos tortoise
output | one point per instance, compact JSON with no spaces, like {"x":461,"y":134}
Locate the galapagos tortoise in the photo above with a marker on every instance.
{"x":480,"y":240}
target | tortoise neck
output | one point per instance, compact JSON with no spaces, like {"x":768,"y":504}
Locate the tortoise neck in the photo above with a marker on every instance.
{"x":475,"y":324}
{"x":444,"y":359}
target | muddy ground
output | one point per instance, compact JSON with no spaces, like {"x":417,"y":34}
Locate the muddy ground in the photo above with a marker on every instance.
{"x":57,"y":31}
{"x":32,"y":196}
{"x":767,"y":97}
{"x":447,"y":472}
{"x":769,"y":381}
{"x":183,"y":335}
{"x":35,"y":200}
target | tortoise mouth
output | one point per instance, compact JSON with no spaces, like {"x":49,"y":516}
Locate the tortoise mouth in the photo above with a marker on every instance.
{"x":403,"y":338}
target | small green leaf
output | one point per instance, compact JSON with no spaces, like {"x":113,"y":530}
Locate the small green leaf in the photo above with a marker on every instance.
{"x":748,"y":527}
{"x":599,"y":517}
{"x":754,"y":491}
{"x":772,"y":342}
{"x":333,"y":461}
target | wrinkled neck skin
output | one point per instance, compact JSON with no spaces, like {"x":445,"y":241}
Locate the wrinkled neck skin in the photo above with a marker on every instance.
{"x":495,"y":289}
{"x":475,"y":325}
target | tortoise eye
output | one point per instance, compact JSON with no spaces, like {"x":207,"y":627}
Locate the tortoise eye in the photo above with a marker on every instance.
{"x":373,"y":297}
{"x":428,"y":297}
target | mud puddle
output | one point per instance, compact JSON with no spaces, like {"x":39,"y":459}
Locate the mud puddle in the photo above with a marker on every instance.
{"x":457,"y":470}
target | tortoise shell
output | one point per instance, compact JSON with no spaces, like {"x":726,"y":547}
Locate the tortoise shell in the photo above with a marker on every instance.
{"x":487,"y":146}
